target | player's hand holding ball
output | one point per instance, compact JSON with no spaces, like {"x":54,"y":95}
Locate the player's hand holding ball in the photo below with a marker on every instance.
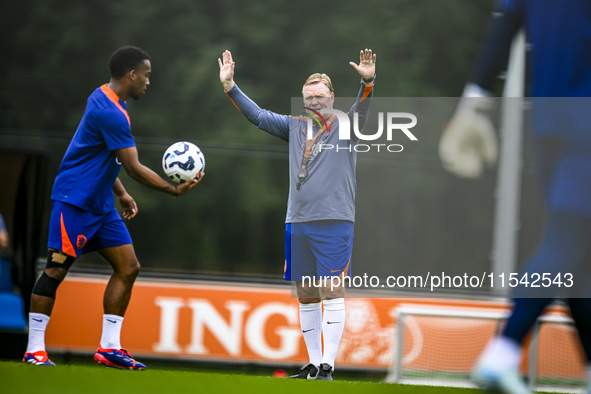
{"x":184,"y":163}
{"x":468,"y":142}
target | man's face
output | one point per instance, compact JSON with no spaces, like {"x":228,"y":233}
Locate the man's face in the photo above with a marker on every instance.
{"x":318,"y":96}
{"x":140,"y":79}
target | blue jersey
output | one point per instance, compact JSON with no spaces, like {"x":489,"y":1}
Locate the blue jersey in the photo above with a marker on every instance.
{"x":559,"y":67}
{"x":89,"y":168}
{"x":560,"y":34}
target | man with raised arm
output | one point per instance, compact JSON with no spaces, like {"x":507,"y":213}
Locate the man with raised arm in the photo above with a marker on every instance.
{"x":321,"y":207}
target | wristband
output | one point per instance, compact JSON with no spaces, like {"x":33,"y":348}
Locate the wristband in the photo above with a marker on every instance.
{"x":369,"y":80}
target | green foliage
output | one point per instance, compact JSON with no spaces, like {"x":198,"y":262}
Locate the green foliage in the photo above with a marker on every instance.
{"x":56,"y":52}
{"x":17,"y":377}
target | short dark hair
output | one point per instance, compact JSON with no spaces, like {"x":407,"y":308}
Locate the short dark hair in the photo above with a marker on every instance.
{"x":125,"y":59}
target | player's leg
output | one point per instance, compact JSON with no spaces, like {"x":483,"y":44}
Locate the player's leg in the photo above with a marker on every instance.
{"x":497,"y":368}
{"x":332,"y":244}
{"x":66,"y":221}
{"x":581,"y":312}
{"x":565,"y":245}
{"x":300,"y":263}
{"x":42,"y":302}
{"x":126,"y":268}
{"x":564,"y":249}
{"x":113,"y":242}
{"x":44,"y":291}
{"x":116,"y":299}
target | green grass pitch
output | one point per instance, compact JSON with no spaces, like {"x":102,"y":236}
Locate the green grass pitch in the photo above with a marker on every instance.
{"x":16,"y":377}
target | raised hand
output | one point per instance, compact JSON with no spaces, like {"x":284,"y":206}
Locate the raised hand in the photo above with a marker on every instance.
{"x":226,"y":70}
{"x":367,"y":64}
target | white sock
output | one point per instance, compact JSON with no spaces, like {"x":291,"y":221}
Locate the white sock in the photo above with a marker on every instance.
{"x":333,"y":324}
{"x":311,"y":324}
{"x":37,"y":325}
{"x":111,"y":338}
{"x":501,"y":354}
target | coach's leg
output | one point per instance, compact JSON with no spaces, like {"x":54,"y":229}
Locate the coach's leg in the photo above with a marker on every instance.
{"x":118,"y":292}
{"x":307,"y":294}
{"x":333,"y":321}
{"x":311,"y":321}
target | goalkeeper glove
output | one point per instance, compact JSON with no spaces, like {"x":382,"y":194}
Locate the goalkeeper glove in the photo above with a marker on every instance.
{"x":468,"y":141}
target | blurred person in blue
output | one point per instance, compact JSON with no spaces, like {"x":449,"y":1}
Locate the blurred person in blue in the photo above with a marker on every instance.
{"x":84,"y":217}
{"x":3,"y":235}
{"x":319,"y":225}
{"x":559,"y":72}
{"x":5,"y":272}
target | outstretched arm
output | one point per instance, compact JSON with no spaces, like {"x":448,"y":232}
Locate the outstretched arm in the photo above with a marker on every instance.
{"x":274,"y":124}
{"x":129,"y":159}
{"x":495,"y":50}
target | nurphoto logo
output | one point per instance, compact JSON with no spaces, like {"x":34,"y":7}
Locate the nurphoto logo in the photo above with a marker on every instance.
{"x":345,"y":129}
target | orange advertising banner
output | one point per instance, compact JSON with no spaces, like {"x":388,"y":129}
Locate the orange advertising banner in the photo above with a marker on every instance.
{"x":232,"y":322}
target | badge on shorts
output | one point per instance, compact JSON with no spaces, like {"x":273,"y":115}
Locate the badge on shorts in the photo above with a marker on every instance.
{"x":81,"y":241}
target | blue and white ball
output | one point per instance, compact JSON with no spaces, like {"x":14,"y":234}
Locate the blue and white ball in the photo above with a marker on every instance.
{"x":183,"y":161}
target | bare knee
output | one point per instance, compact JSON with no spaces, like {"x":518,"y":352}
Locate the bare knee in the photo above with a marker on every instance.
{"x":123,"y":260}
{"x":129,"y":271}
{"x":308,"y":300}
{"x":134,"y":269}
{"x":329,"y":293}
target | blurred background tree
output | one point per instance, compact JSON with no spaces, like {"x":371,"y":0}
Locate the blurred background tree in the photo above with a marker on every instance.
{"x":55,"y":52}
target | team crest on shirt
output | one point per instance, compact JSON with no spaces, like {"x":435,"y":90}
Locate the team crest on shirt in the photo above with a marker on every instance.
{"x":80,"y":241}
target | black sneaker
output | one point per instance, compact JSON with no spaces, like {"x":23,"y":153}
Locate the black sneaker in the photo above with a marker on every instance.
{"x":325,"y":372}
{"x":306,"y":372}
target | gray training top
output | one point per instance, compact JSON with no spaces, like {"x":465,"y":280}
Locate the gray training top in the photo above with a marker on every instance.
{"x":328,"y":193}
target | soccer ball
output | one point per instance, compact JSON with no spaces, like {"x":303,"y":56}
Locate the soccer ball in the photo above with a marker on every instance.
{"x":183,"y":161}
